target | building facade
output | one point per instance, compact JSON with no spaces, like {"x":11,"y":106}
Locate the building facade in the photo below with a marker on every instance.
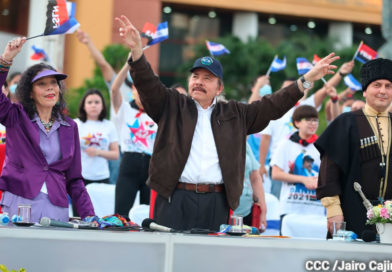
{"x":190,"y":22}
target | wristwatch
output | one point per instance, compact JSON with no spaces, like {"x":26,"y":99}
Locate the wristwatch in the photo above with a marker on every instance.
{"x":305,"y":83}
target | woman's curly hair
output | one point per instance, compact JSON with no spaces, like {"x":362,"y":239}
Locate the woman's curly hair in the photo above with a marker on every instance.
{"x":25,"y":87}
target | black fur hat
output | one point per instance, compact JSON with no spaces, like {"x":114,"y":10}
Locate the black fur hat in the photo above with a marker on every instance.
{"x":375,"y":69}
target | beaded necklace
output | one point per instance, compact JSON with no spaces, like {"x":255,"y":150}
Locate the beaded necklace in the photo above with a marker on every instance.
{"x":47,"y":125}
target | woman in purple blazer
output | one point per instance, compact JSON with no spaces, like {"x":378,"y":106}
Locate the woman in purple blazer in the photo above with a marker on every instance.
{"x":42,"y":165}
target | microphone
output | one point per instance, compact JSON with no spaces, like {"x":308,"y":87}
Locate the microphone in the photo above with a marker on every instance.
{"x":369,"y":236}
{"x":46,"y":222}
{"x":152,"y":225}
{"x":366,"y":202}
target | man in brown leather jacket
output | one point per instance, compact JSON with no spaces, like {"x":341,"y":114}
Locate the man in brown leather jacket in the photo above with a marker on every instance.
{"x":198,"y":162}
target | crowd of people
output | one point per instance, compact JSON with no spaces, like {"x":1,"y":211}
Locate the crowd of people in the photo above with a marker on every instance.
{"x":202,"y":156}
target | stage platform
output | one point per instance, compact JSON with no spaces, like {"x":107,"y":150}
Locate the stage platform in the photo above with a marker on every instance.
{"x":67,"y":250}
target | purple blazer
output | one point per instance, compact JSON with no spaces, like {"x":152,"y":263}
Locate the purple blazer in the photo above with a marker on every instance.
{"x":25,"y":167}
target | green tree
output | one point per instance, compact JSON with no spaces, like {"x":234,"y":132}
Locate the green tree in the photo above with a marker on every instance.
{"x":249,"y":60}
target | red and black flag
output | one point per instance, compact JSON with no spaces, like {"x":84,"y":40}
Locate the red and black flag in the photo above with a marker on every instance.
{"x":365,"y":53}
{"x":148,"y":31}
{"x":60,"y":18}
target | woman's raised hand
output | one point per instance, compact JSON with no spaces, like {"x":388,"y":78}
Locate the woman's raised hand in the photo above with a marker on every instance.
{"x":13,"y":48}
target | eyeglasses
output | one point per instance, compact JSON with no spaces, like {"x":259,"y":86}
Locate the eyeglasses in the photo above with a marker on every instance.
{"x":311,"y":120}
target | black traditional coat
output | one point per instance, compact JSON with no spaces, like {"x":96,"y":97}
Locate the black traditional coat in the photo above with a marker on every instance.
{"x":350,"y":152}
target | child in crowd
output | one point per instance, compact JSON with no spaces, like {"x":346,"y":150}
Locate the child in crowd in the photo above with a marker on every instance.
{"x":296,"y":164}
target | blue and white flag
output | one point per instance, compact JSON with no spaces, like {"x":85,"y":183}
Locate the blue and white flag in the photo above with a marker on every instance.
{"x":161,"y":34}
{"x":352,"y":82}
{"x":216,"y":49}
{"x":303,"y":66}
{"x":278,"y":64}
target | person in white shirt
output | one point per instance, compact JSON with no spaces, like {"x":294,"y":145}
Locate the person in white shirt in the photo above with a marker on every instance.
{"x":108,"y":74}
{"x":296,"y":164}
{"x":281,"y":129}
{"x":137,"y":133}
{"x":98,"y":138}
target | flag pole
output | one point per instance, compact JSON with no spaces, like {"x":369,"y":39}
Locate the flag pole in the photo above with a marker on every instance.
{"x":270,"y":67}
{"x":356,"y":52}
{"x":35,"y":37}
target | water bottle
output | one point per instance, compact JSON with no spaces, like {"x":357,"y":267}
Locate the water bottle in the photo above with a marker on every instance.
{"x":350,"y":235}
{"x":345,"y":235}
{"x":245,"y":228}
{"x":250,"y":229}
{"x":224,"y":228}
{"x":15,"y":218}
{"x":4,"y":219}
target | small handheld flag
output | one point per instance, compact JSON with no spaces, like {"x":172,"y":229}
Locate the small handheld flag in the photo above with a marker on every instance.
{"x":315,"y":59}
{"x":161,"y":34}
{"x":364,"y":53}
{"x":155,"y":34}
{"x":303,"y":66}
{"x":352,"y":82}
{"x":39,"y":54}
{"x":60,"y":18}
{"x":148,"y":31}
{"x":69,"y":26}
{"x":216,"y":49}
{"x":278,"y":64}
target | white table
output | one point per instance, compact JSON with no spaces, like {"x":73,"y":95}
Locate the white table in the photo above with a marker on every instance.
{"x":38,"y":249}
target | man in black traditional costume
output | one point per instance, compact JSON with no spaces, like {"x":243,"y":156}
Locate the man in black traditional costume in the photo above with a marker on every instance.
{"x":356,"y":147}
